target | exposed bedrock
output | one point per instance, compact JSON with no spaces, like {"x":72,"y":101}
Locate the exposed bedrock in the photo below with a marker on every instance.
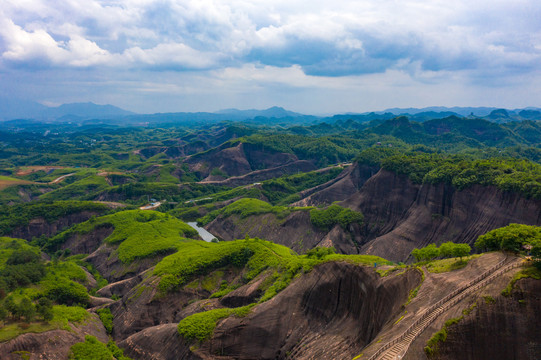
{"x":508,"y":328}
{"x":330,"y":313}
{"x":401,"y":215}
{"x":39,"y":226}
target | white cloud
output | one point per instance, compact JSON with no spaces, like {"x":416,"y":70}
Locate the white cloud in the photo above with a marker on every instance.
{"x":344,"y":44}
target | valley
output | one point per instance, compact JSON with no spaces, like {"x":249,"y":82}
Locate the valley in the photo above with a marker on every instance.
{"x":286,"y":238}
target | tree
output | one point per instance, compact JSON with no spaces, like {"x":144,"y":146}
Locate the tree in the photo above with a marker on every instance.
{"x":447,"y":249}
{"x":461,"y":250}
{"x":427,"y":253}
{"x":27,"y":309}
{"x":3,"y":314}
{"x":11,"y":306}
{"x":431,"y":252}
{"x":45,"y":309}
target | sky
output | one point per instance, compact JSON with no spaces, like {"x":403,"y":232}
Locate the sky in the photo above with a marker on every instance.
{"x":314,"y":57}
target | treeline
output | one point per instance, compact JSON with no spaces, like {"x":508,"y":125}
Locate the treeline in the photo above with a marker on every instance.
{"x":446,"y":250}
{"x":517,"y":238}
{"x":333,"y":215}
{"x":521,"y":176}
{"x":14,"y":216}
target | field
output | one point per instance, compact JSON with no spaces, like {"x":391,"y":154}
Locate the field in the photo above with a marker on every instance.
{"x":6,"y":182}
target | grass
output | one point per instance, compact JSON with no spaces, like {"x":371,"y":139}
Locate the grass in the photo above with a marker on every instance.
{"x":254,"y":255}
{"x":106,"y":318}
{"x":250,"y":207}
{"x":530,"y":271}
{"x":413,"y":293}
{"x":63,"y":315}
{"x":431,"y":348}
{"x":451,"y":264}
{"x":90,"y":349}
{"x":201,"y":326}
{"x":138,"y":233}
{"x":6,"y":181}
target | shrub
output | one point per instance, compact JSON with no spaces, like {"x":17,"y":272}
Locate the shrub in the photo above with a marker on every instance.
{"x":106,"y":318}
{"x":90,"y":349}
{"x":335,"y":214}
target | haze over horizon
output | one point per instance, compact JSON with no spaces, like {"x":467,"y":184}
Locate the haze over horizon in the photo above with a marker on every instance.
{"x":309,"y":57}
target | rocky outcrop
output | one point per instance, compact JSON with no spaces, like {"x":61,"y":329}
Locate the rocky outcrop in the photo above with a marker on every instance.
{"x":143,"y":306}
{"x":507,"y":328}
{"x":39,"y":226}
{"x":330,"y":313}
{"x":237,"y":160}
{"x":160,"y":342}
{"x":89,"y":242}
{"x":105,"y":260}
{"x":261,"y":175}
{"x":54,"y":344}
{"x":401,"y":215}
{"x":339,"y":188}
{"x":294,"y":231}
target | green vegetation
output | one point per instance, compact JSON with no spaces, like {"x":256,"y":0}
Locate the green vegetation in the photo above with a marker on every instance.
{"x":521,"y":176}
{"x":446,"y":265}
{"x":91,"y":349}
{"x":62,"y":317}
{"x":514,"y":238}
{"x":201,"y":326}
{"x":431,"y":348}
{"x":15,"y":216}
{"x":448,"y":249}
{"x":138,"y":233}
{"x":529,"y":272}
{"x":249,"y":207}
{"x":199,"y":258}
{"x":20,"y":265}
{"x":335,"y":214}
{"x":106,"y":318}
{"x":278,"y":191}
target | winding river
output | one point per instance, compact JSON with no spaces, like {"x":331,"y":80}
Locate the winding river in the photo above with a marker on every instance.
{"x":205,"y":235}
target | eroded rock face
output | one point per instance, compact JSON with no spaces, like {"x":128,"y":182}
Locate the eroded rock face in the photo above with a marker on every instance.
{"x":330,"y":313}
{"x":509,"y":328}
{"x":142,"y":306}
{"x":237,"y":160}
{"x":400,"y":215}
{"x":88,"y":243}
{"x":295,"y":231}
{"x":160,"y":342}
{"x":339,"y":188}
{"x":39,"y":226}
{"x":53,"y":345}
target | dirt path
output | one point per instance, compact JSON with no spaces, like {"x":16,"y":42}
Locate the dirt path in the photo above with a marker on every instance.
{"x":59,"y":179}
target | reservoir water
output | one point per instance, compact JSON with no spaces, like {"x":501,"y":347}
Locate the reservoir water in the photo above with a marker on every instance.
{"x":205,"y":235}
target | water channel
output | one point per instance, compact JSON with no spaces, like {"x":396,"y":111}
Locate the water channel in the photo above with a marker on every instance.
{"x":205,"y":235}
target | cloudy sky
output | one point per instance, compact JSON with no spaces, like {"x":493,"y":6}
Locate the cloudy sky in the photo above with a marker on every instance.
{"x":310,"y":56}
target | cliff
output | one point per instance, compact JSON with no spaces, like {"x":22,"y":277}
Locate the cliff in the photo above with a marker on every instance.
{"x":330,"y":313}
{"x":506,"y":328}
{"x":401,"y":215}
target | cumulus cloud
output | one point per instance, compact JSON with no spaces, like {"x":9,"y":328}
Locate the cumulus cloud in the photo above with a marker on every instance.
{"x":349,"y":37}
{"x":301,"y":44}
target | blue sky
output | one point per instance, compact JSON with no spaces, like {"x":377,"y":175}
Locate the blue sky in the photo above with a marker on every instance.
{"x":308,"y":56}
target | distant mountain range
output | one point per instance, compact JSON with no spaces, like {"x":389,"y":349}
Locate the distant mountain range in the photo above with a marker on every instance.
{"x":20,"y":109}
